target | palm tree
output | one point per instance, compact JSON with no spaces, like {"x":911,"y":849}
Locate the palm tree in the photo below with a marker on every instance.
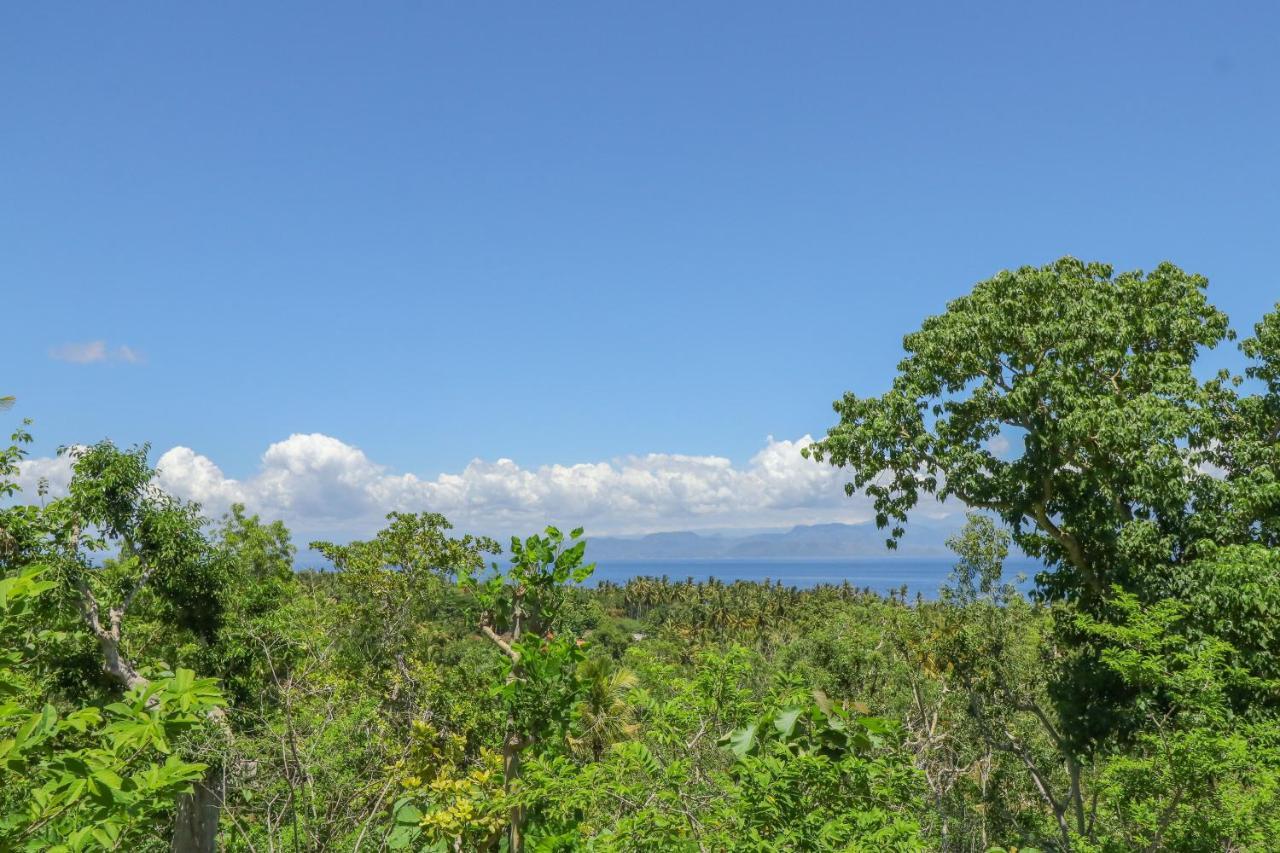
{"x":604,"y":715}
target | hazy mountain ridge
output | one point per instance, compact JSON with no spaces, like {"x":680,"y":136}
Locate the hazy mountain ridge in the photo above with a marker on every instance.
{"x":803,"y":540}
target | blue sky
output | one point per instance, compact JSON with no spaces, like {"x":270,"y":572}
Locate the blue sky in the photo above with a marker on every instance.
{"x":566,"y":233}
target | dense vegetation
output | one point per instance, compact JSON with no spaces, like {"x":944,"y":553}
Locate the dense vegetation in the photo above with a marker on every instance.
{"x":169,"y":681}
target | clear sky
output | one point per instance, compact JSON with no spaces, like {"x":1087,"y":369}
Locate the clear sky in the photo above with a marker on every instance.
{"x":577,"y":232}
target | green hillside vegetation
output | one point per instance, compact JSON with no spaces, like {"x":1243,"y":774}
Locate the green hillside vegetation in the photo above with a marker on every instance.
{"x":171,"y":682}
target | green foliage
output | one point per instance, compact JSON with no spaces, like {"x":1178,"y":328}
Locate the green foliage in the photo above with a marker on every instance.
{"x":1233,"y":594}
{"x":1093,"y":373}
{"x":532,"y":592}
{"x":817,"y":777}
{"x":604,"y":715}
{"x":447,"y":799}
{"x":394,"y":585}
{"x":85,"y":777}
{"x":416,"y":545}
{"x":413,"y":700}
{"x":1196,"y":777}
{"x":87,"y":769}
{"x":113,"y":505}
{"x":1131,"y":466}
{"x":978,"y":574}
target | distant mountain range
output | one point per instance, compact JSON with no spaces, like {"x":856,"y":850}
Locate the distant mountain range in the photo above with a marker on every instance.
{"x":924,"y":538}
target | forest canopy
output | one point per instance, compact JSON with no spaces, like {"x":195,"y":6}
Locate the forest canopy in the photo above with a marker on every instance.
{"x":171,"y":681}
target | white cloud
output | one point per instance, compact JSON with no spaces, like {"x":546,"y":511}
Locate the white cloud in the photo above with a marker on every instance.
{"x":91,"y":352}
{"x":53,"y":471}
{"x":321,"y":486}
{"x":86,"y":353}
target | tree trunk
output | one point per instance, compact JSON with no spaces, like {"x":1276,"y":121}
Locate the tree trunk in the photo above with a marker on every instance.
{"x":511,"y":774}
{"x":195,"y":828}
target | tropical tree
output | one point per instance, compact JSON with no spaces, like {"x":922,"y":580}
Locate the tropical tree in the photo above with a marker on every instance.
{"x":603,"y":716}
{"x":78,"y":775}
{"x":519,"y":610}
{"x":1120,"y":448}
{"x":86,"y":777}
{"x":1092,"y":373}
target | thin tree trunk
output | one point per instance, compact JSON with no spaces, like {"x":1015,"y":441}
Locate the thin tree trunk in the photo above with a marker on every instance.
{"x":511,"y":774}
{"x":514,"y":741}
{"x":195,"y":827}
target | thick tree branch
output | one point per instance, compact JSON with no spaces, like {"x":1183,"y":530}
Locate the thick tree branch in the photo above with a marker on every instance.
{"x":500,"y":643}
{"x":1033,"y":708}
{"x":118,"y":612}
{"x":1042,"y":784}
{"x":89,"y":608}
{"x":1073,"y":766}
{"x":1075,"y":553}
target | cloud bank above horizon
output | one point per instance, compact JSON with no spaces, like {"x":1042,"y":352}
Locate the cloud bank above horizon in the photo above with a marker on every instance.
{"x":321,"y":486}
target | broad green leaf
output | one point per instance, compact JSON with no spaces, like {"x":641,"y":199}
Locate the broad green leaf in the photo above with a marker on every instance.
{"x":741,"y":741}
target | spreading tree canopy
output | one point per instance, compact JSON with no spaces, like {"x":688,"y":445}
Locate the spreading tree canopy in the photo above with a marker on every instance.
{"x":1128,"y":457}
{"x":1128,"y":470}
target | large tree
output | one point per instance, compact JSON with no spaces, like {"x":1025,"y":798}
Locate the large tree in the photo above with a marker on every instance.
{"x":122,"y":550}
{"x":1122,"y":455}
{"x":113,"y":541}
{"x":1127,"y":468}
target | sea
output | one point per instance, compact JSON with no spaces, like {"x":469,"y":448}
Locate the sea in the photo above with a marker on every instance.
{"x":924,"y":575}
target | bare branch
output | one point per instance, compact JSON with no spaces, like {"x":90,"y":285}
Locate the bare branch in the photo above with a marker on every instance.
{"x":500,"y":643}
{"x":147,"y":571}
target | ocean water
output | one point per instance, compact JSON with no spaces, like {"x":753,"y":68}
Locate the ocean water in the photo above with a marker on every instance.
{"x":882,"y":574}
